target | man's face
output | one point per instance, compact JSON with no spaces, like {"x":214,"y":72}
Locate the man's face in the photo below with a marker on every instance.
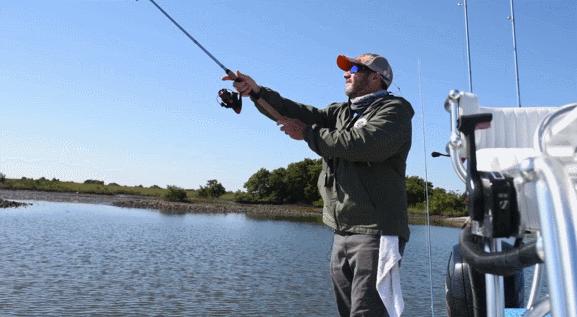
{"x":357,"y":83}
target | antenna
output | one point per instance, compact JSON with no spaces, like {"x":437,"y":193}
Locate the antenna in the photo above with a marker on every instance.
{"x":514,"y":33}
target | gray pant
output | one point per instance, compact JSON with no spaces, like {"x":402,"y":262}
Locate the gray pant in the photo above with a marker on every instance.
{"x":354,"y":262}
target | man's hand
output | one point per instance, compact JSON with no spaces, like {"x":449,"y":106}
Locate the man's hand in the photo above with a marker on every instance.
{"x":293,"y":128}
{"x":244,"y":84}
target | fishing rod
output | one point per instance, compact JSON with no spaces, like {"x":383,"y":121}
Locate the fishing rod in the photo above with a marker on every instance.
{"x":228,"y":99}
{"x":469,"y":72}
{"x":514,"y":34}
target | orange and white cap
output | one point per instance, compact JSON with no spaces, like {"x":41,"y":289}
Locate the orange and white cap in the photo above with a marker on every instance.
{"x":374,"y":62}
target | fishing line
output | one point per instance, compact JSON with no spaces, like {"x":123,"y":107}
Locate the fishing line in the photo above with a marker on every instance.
{"x":426,"y":193}
{"x":226,"y":70}
{"x":228,"y":98}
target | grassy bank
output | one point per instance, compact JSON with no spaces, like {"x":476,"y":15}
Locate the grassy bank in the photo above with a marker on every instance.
{"x":88,"y":187}
{"x":418,"y":216}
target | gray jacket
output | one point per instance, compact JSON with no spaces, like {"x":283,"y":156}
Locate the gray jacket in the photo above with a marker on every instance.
{"x":362,"y":182}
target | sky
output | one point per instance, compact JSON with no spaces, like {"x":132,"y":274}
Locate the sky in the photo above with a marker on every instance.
{"x":111,"y":90}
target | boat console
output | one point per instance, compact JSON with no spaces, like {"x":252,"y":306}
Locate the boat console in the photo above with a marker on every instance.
{"x":520,"y":170}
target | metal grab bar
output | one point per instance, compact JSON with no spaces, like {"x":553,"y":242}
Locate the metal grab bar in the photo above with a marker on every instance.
{"x":557,"y":203}
{"x":535,"y":285}
{"x":542,"y":128}
{"x":540,"y":309}
{"x":455,"y":142}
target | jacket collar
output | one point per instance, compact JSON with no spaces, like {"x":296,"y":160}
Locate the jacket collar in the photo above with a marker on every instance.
{"x":360,"y":103}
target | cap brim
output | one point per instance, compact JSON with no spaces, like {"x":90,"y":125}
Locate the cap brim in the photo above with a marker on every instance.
{"x":344,"y":62}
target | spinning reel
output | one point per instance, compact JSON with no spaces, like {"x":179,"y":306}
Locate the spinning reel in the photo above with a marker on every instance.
{"x":230,"y":99}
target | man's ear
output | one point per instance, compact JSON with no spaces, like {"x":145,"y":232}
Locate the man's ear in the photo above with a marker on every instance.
{"x":376,"y":77}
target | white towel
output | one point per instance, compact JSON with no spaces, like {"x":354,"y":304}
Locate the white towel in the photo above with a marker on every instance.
{"x":388,"y":276}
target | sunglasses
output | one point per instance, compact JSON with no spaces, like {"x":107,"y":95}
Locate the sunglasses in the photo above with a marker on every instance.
{"x":357,"y":68}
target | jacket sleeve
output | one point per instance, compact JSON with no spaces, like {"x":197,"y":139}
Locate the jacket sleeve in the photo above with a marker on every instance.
{"x":288,"y":108}
{"x":384,"y":134}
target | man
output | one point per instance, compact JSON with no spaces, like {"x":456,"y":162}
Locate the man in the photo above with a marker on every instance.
{"x":364,"y":143}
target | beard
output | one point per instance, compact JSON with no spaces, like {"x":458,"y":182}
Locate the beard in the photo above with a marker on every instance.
{"x":357,"y":87}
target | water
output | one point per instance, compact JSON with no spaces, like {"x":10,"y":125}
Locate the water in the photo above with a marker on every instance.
{"x":60,"y":259}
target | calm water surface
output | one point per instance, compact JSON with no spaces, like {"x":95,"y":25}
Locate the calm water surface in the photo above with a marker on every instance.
{"x":61,"y":259}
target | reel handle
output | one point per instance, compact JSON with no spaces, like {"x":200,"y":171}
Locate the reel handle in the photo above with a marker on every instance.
{"x":230,"y":99}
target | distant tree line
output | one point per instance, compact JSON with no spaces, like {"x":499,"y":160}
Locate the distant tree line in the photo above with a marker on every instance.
{"x":297,"y":183}
{"x":441,"y":201}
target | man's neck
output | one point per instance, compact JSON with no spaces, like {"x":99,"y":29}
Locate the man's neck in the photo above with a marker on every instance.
{"x":375,"y":93}
{"x":364,"y":101}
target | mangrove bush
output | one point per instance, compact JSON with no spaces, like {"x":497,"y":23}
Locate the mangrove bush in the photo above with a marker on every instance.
{"x":175,"y":193}
{"x":213,"y":189}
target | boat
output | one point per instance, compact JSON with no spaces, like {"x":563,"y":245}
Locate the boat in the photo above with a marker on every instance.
{"x":520,"y":170}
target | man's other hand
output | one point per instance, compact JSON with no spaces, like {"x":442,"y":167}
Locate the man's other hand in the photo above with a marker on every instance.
{"x":293,"y":128}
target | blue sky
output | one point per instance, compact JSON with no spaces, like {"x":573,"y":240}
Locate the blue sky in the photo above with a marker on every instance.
{"x":110,"y":90}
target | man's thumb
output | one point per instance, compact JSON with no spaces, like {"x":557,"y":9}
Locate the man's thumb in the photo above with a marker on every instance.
{"x":226,"y":77}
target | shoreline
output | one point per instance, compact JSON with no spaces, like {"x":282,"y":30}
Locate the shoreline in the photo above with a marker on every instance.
{"x":11,"y":204}
{"x":257,"y":211}
{"x":147,"y":202}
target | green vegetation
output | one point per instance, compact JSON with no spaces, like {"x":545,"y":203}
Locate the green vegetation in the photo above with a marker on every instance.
{"x":441,"y":201}
{"x":88,"y":187}
{"x":295,"y":184}
{"x":447,"y":203}
{"x":91,"y":186}
{"x":213,"y":189}
{"x":94,"y":181}
{"x":174,"y":193}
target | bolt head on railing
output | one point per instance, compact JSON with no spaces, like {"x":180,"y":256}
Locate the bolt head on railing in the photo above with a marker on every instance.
{"x":527,"y":168}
